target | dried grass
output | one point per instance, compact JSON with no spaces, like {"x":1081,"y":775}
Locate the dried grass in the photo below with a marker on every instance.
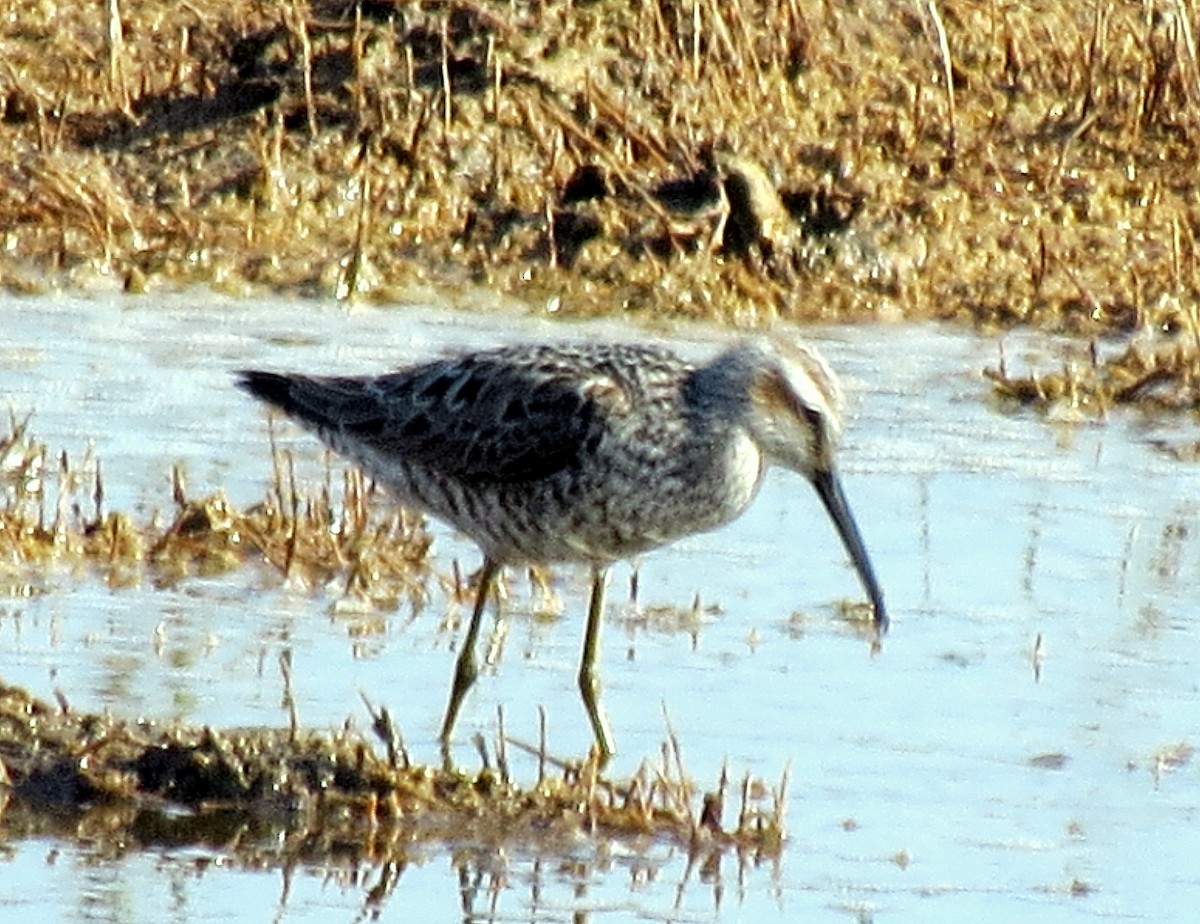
{"x":1007,"y":163}
{"x":283,"y":793}
{"x":52,"y":517}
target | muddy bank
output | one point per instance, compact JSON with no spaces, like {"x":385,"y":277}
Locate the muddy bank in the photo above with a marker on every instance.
{"x":1000,"y":165}
{"x":272,"y":796}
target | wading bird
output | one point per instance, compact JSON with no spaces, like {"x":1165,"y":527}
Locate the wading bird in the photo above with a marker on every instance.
{"x":590,"y":453}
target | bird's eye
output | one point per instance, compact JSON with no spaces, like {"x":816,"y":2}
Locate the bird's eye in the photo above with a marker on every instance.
{"x":816,"y":425}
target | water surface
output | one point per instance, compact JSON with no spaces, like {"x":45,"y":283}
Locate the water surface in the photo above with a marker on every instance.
{"x":943,"y":778}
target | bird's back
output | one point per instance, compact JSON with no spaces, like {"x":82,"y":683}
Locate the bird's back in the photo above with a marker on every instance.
{"x":588,"y":452}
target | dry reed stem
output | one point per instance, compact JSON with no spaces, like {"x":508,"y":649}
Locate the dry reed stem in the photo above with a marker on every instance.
{"x":943,"y":47}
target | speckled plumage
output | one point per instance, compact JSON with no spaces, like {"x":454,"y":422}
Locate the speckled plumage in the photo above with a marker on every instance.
{"x":583,"y":452}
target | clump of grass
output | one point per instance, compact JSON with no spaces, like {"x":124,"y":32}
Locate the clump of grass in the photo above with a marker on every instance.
{"x":52,"y":516}
{"x":334,"y":797}
{"x":1156,"y":376}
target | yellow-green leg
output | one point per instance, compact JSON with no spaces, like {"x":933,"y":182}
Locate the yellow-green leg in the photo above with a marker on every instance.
{"x":589,"y":680}
{"x":466,"y":669}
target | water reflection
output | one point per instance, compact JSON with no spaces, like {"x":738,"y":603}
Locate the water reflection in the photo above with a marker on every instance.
{"x":194,"y":862}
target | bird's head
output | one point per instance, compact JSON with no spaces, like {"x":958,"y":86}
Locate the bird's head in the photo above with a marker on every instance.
{"x":795,"y":418}
{"x":795,"y":412}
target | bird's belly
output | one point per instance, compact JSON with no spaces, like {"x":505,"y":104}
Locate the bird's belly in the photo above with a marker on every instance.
{"x":627,"y":513}
{"x":602,"y":520}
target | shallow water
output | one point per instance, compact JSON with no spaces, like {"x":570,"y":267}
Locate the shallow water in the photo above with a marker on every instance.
{"x":919,"y":778}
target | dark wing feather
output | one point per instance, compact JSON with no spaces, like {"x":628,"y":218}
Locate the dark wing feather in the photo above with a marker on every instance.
{"x":478,"y":418}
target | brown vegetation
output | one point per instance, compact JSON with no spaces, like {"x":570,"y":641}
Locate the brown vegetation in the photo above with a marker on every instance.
{"x":52,"y":516}
{"x":1001,"y":163}
{"x":300,"y":795}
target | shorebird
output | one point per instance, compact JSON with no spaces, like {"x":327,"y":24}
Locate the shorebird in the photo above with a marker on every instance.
{"x":587,"y":452}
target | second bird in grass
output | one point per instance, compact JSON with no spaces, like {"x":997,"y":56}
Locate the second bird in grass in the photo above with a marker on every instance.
{"x":591,"y":452}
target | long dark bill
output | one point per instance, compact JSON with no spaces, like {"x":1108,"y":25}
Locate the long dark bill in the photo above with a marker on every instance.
{"x":829,"y":487}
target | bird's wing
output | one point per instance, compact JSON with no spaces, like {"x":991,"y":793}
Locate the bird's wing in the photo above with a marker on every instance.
{"x":478,"y":418}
